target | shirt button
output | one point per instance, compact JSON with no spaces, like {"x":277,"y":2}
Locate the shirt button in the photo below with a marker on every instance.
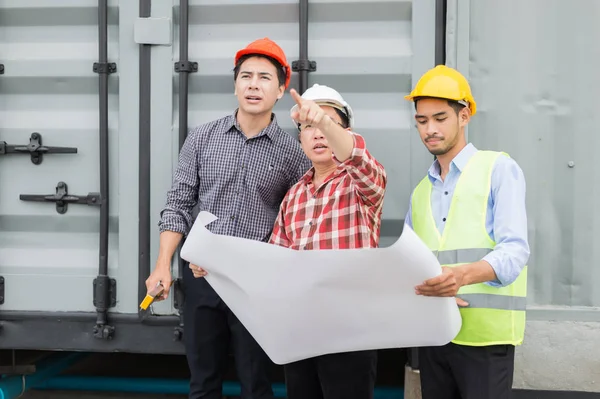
{"x":233,"y":217}
{"x":310,"y":223}
{"x":444,"y":219}
{"x":446,"y":193}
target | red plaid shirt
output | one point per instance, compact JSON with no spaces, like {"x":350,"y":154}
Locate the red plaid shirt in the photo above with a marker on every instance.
{"x":343,"y":213}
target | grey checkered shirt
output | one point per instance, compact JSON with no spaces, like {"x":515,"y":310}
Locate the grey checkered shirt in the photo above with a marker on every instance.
{"x":241,"y":181}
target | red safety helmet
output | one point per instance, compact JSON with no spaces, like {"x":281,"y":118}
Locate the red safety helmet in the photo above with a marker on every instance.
{"x":266,"y":46}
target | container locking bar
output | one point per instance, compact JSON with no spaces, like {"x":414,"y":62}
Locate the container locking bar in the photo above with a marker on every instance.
{"x":303,"y":65}
{"x":35,"y":149}
{"x":186,"y":66}
{"x":63,"y":198}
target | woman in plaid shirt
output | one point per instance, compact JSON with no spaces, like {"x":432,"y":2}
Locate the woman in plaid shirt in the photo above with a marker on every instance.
{"x":337,"y":204}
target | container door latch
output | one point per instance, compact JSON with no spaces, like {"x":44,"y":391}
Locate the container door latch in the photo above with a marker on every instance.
{"x":62,"y":198}
{"x":35,"y":149}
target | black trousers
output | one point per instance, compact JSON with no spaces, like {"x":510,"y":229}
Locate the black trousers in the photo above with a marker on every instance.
{"x":211,"y":331}
{"x":348,"y":375}
{"x":467,"y":372}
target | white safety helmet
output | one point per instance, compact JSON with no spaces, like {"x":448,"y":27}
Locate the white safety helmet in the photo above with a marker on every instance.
{"x":324,"y":95}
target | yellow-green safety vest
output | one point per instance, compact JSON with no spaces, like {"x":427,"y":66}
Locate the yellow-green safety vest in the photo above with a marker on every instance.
{"x":495,"y":315}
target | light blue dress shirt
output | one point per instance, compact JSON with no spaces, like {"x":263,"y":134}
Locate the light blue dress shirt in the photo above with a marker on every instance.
{"x":506,"y":219}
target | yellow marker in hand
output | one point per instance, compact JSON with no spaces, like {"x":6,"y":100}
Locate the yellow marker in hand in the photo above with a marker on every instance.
{"x":152,"y":295}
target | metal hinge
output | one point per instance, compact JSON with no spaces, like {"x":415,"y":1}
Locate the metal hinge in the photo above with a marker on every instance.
{"x":105,"y":67}
{"x":105,"y":288}
{"x":186,"y":66}
{"x":35,"y":149}
{"x":101,"y":284}
{"x":62,"y":198}
{"x":304,"y":65}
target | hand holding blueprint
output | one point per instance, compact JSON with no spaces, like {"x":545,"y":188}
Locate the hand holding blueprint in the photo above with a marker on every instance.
{"x":301,"y":304}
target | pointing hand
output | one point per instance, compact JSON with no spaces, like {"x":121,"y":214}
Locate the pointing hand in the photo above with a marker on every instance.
{"x":309,"y":112}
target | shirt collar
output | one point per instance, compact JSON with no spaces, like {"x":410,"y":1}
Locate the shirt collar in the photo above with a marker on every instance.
{"x":270,"y":131}
{"x":459,"y":162}
{"x":308,"y":176}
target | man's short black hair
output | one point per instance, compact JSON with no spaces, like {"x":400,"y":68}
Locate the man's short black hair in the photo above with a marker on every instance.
{"x":455,"y":105}
{"x":280,"y":71}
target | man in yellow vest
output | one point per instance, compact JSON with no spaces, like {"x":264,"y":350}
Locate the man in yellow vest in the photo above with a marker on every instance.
{"x":470,"y":210}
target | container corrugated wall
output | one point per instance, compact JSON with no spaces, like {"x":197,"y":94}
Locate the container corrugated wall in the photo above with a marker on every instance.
{"x":533,"y":68}
{"x":536,"y":88}
{"x":48,"y":50}
{"x":368,"y":50}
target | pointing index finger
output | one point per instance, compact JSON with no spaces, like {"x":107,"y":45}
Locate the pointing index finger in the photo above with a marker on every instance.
{"x":296,"y":97}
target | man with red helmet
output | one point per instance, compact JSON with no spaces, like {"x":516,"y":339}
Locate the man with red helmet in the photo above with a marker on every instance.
{"x":238,"y":168}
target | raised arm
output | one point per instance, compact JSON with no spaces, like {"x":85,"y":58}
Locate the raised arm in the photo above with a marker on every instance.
{"x":368,"y":174}
{"x":348,"y":148}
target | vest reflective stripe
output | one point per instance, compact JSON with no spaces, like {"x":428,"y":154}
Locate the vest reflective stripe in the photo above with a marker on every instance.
{"x":490,"y":301}
{"x":495,"y":315}
{"x":468,"y":255}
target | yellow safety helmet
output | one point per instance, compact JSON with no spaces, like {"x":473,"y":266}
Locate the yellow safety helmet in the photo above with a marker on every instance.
{"x":444,"y":82}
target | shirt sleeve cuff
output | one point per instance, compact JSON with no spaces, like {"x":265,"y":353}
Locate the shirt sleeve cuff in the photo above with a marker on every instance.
{"x":171,"y":221}
{"x":493,"y":261}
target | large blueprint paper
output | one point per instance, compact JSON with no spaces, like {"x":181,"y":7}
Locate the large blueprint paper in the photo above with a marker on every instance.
{"x":300,"y":304}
